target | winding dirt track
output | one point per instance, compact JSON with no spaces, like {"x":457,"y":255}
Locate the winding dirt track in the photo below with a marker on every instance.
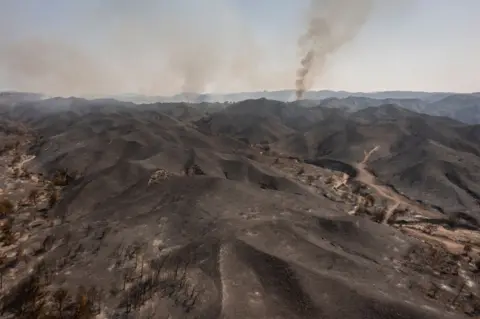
{"x":365,"y":177}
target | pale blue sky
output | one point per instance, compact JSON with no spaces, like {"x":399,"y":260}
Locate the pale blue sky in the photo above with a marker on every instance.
{"x":161,"y":47}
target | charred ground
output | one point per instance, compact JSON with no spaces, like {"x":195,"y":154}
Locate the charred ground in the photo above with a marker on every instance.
{"x":177,"y":211}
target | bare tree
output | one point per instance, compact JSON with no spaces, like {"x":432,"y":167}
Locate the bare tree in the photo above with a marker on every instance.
{"x":26,"y":300}
{"x":128,"y":274}
{"x":33,"y":196}
{"x":6,"y":229}
{"x":6,"y":207}
{"x":454,"y":300}
{"x":189,"y":302}
{"x":83,"y":307}
{"x":158,"y":265}
{"x":61,"y":298}
{"x":2,"y":269}
{"x":52,"y":199}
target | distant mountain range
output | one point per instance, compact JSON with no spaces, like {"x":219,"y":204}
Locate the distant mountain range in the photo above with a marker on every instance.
{"x":283,"y":95}
{"x":459,"y":106}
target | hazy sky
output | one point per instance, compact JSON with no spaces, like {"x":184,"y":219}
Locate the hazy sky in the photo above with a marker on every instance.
{"x":68,"y":47}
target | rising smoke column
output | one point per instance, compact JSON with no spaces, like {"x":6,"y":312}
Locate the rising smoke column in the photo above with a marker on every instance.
{"x":332,"y":23}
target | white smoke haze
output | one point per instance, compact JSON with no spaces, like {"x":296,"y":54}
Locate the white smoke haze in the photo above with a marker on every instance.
{"x":164,"y":47}
{"x":156,"y":47}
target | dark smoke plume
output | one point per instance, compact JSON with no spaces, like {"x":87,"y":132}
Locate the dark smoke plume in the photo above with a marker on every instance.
{"x":332,"y":23}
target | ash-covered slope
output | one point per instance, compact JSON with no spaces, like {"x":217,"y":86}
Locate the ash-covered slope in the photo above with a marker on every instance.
{"x":169,"y":220}
{"x":431,"y":159}
{"x":264,"y":120}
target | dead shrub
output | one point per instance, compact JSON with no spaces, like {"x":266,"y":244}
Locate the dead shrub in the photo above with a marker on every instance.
{"x":61,"y":300}
{"x":62,"y":177}
{"x":33,"y":196}
{"x":301,"y":171}
{"x":369,"y":200}
{"x":16,"y":172}
{"x":310,"y":179}
{"x":452,"y":222}
{"x":27,"y":299}
{"x":395,"y":215}
{"x":25,"y":174}
{"x":6,"y":207}
{"x":7,"y":147}
{"x":329,"y":180}
{"x":52,"y":199}
{"x":7,"y":234}
{"x":467,"y":249}
{"x":16,"y":159}
{"x":477,"y":266}
{"x":194,"y":170}
{"x":430,"y":229}
{"x":378,"y":215}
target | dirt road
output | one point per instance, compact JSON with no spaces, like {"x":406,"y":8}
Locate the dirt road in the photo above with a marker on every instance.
{"x":365,"y":177}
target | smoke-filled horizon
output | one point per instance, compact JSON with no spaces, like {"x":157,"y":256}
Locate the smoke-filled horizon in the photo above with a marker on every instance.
{"x":163,"y":47}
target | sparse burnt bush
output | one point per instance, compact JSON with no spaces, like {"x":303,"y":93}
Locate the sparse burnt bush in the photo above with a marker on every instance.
{"x":378,"y":215}
{"x":264,"y":145}
{"x":33,"y":196}
{"x":48,"y":242}
{"x":168,"y":278}
{"x":451,"y":222}
{"x":6,"y":208}
{"x":7,"y":147}
{"x":477,"y":266}
{"x":27,"y":299}
{"x":95,"y":296}
{"x":6,"y":235}
{"x":359,"y":189}
{"x":432,"y":259}
{"x":61,"y":300}
{"x":52,"y":199}
{"x":15,"y":160}
{"x":16,"y":172}
{"x":194,"y":170}
{"x":369,"y":200}
{"x":62,"y":178}
{"x":392,"y":219}
{"x":310,"y":179}
{"x":433,"y":291}
{"x":84,"y":306}
{"x":430,"y":229}
{"x":3,"y":259}
{"x":467,"y":249}
{"x":269,"y":182}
